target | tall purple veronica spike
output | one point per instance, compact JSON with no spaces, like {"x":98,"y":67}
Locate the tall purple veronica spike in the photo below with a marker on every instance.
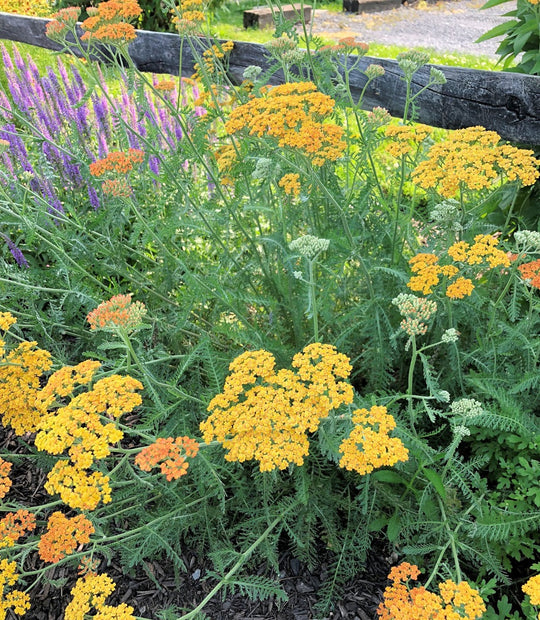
{"x":15,"y":252}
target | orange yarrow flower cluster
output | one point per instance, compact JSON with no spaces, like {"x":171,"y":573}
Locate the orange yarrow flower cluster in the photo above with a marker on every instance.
{"x":14,"y":525}
{"x":62,"y":22}
{"x":16,"y":600}
{"x":266,"y":415}
{"x":170,"y":454}
{"x":401,"y":602}
{"x":109,"y":21}
{"x":5,"y":480}
{"x":120,"y":162}
{"x":117,"y":312}
{"x":472,"y":158}
{"x":295,"y":115}
{"x":530,"y":272}
{"x":90,"y":593}
{"x":63,"y":536}
{"x":483,"y":252}
{"x":369,"y":446}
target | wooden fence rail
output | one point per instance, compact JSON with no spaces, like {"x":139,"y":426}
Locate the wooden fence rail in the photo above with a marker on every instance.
{"x":508,"y":103}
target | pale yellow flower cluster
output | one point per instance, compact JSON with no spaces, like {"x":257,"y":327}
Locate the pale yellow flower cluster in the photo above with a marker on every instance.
{"x":266,"y":415}
{"x":369,"y":445}
{"x":473,"y":159}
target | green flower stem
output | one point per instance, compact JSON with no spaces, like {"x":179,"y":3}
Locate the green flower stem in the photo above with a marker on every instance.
{"x":414,"y":356}
{"x":313,"y":298}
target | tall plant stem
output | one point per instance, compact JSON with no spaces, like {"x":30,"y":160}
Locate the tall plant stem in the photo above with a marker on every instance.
{"x":238,"y":565}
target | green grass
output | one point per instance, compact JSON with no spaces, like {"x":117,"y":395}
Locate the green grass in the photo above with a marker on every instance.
{"x":228,"y":24}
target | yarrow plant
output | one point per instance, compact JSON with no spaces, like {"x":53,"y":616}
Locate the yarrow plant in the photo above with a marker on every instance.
{"x":309,"y":326}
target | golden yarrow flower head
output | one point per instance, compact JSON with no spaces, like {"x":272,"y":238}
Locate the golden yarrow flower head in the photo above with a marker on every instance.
{"x":76,"y":487}
{"x":6,"y":320}
{"x":472,"y":158}
{"x":266,"y":415}
{"x":119,"y":312}
{"x":532,"y":588}
{"x":5,"y":480}
{"x":15,"y":600}
{"x":369,"y":445}
{"x":89,"y":593}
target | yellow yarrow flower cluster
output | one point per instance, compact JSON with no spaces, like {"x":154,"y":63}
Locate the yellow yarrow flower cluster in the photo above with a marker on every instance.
{"x":532,"y":588}
{"x":405,"y":138}
{"x":89,"y":593}
{"x":78,"y":429}
{"x":369,"y":445}
{"x":20,"y":372}
{"x":211,"y":59}
{"x":294,"y":114}
{"x":291,"y":184}
{"x":77,"y":488}
{"x":472,"y":158}
{"x":189,"y":15}
{"x":266,"y":415}
{"x":483,"y":252}
{"x":17,"y":601}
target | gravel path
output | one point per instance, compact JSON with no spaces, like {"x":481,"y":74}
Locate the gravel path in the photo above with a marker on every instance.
{"x":443,"y":27}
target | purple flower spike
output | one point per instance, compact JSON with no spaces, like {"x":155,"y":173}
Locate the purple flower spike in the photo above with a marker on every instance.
{"x":16,"y":252}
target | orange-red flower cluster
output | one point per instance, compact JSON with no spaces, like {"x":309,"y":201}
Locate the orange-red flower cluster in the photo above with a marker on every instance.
{"x":14,"y":525}
{"x":120,"y":162}
{"x":63,"y":536}
{"x":170,"y":454}
{"x":117,"y":312}
{"x":401,"y":602}
{"x":530,"y":272}
{"x":109,"y":21}
{"x":62,"y":22}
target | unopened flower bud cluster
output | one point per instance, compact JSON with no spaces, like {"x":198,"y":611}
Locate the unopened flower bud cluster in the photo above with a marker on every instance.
{"x":309,"y":246}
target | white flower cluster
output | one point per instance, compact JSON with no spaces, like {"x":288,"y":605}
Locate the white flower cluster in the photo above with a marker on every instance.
{"x":450,"y":335}
{"x":446,"y":215}
{"x":309,"y":246}
{"x":467,"y":407}
{"x":252,"y":72}
{"x":528,"y":239}
{"x":264,"y":168}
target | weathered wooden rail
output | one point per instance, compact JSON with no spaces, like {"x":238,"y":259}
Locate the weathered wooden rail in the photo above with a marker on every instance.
{"x":508,"y":103}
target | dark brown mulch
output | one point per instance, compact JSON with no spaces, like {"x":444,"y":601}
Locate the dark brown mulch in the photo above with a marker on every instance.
{"x":153,"y":587}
